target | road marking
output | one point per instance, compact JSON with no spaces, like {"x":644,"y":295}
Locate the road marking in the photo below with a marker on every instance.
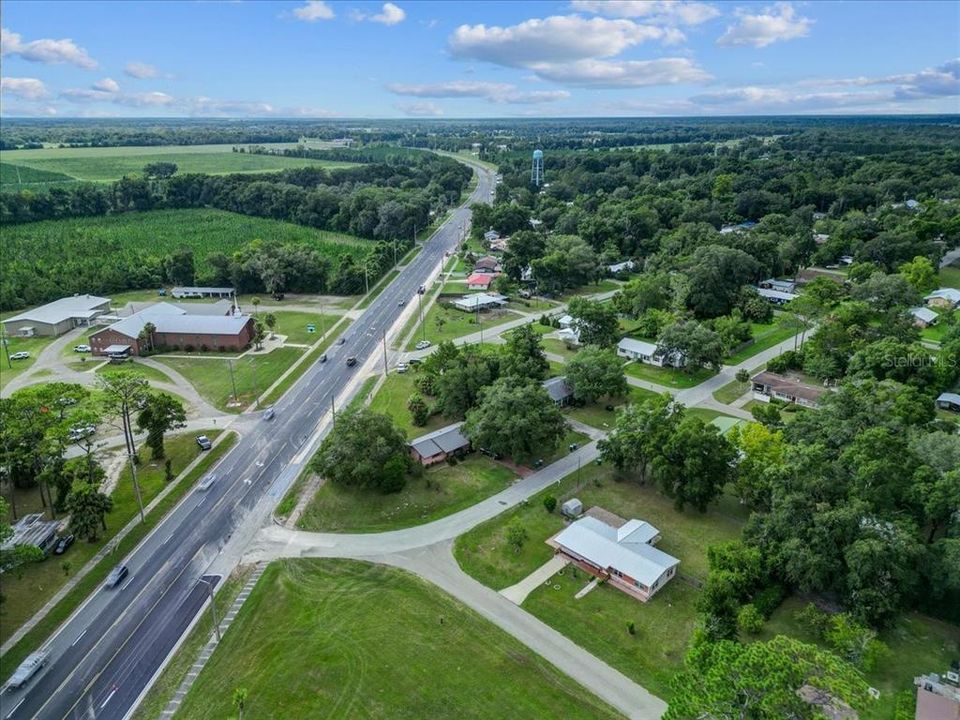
{"x":78,"y":637}
{"x":169,"y":538}
{"x":124,"y":586}
{"x":109,"y":697}
{"x":15,"y":707}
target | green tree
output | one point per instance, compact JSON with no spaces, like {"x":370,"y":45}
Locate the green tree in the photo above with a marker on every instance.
{"x":549,"y":503}
{"x":716,"y":275}
{"x":160,"y":414}
{"x":516,"y":536}
{"x":419,"y":411}
{"x":594,"y":373}
{"x":595,"y":322}
{"x":259,"y":333}
{"x":697,"y":345}
{"x":359,"y":448}
{"x":515,"y":417}
{"x":160,"y":169}
{"x":240,"y":700}
{"x":647,"y":291}
{"x":694,"y":465}
{"x":749,"y":620}
{"x":921,"y":274}
{"x":270,"y":320}
{"x":761,"y":450}
{"x":458,"y":388}
{"x":88,"y":508}
{"x":522,"y":355}
{"x":640,"y":432}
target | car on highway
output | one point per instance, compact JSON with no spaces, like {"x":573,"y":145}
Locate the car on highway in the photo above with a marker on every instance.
{"x":402,"y":367}
{"x":81,"y":348}
{"x":341,"y":341}
{"x":116,"y":576}
{"x":269,"y":413}
{"x":351,"y":361}
{"x":22,"y":355}
{"x":423,"y":345}
{"x":401,"y":303}
{"x":204,"y":442}
{"x":64,"y":542}
{"x":323,"y":358}
{"x":207,"y":482}
{"x":27,"y":669}
{"x":421,"y":290}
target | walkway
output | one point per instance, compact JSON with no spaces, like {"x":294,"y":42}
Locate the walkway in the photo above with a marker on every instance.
{"x":518,"y":593}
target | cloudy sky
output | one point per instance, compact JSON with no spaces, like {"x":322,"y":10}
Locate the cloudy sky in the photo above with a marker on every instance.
{"x":478,"y":59}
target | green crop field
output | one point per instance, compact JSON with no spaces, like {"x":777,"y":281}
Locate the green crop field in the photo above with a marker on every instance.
{"x":112,"y":163}
{"x":22,"y":175}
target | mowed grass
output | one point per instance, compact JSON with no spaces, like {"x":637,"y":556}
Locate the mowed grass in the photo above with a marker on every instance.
{"x":253,"y":374}
{"x":596,"y":414}
{"x":112,"y":163}
{"x":666,"y":376}
{"x":369,"y":641}
{"x":447,"y":323}
{"x":29,"y":587}
{"x":950,"y":276}
{"x":9,"y":369}
{"x":147,"y":371}
{"x":392,"y":398}
{"x":293,"y":324}
{"x":443,"y":490}
{"x":765,"y":336}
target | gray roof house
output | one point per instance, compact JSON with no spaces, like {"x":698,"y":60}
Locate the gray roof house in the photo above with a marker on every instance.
{"x":33,"y":530}
{"x":923,"y":317}
{"x":437,"y":446}
{"x":944,"y":298}
{"x":559,"y":390}
{"x":202,"y":292}
{"x":949,"y":401}
{"x":57,"y":317}
{"x":777,"y":297}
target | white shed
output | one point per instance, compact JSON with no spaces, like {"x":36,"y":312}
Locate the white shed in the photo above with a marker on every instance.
{"x":572,"y":508}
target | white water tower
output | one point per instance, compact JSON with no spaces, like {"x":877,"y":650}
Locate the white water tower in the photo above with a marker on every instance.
{"x":536,"y":175}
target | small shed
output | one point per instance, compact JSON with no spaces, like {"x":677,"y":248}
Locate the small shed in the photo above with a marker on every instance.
{"x":572,"y":508}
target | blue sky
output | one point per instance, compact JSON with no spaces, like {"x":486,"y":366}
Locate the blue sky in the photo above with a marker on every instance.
{"x":478,"y":59}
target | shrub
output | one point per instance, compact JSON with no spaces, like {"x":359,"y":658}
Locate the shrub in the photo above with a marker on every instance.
{"x":426,"y":383}
{"x":749,"y":620}
{"x":631,"y":628}
{"x":769,"y":599}
{"x":550,"y":503}
{"x":516,"y":536}
{"x":203,"y":347}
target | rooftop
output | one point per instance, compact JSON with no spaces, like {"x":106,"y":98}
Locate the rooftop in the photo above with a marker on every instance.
{"x":786,"y":385}
{"x":472,"y":302}
{"x":925,"y":314}
{"x":201,"y":319}
{"x":479,"y":279}
{"x":446,"y":439}
{"x":557,"y":388}
{"x":76,"y":306}
{"x":775,"y":294}
{"x":640,"y":347}
{"x":951,"y":294}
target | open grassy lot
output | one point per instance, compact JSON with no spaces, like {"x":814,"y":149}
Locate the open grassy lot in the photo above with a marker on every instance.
{"x":559,"y":347}
{"x":918,"y":644}
{"x":148,"y":371}
{"x":443,"y":490}
{"x":446,"y":323}
{"x":605,"y":285}
{"x":596,"y":414}
{"x":765,"y":336}
{"x":9,"y":369}
{"x":103,"y":164}
{"x":29,"y":587}
{"x":668,"y":377}
{"x":950,"y":276}
{"x":253,"y":374}
{"x":363,"y":640}
{"x":294,"y":323}
{"x":391,"y":399}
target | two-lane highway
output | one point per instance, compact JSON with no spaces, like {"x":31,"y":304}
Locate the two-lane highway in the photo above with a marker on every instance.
{"x":102,"y":658}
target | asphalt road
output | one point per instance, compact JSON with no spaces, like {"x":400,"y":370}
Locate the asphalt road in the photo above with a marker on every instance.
{"x":102,"y":658}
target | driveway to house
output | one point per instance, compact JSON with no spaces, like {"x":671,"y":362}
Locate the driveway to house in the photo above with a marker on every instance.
{"x":949,"y":258}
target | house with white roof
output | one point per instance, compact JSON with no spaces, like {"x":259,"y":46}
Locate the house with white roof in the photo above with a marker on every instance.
{"x":621,"y":267}
{"x":647,"y":352}
{"x":923,"y":317}
{"x":57,"y":317}
{"x":619,"y":551}
{"x":202,"y":292}
{"x":946,"y":298}
{"x":949,"y":401}
{"x":777,"y":297}
{"x":480,"y":301}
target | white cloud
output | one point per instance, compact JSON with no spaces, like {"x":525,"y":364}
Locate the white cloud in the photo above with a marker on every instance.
{"x":390,"y":15}
{"x":32,"y":111}
{"x":141,"y":70}
{"x":420,"y":109}
{"x":494,"y":92}
{"x":775,"y":23}
{"x":556,"y":39}
{"x":46,"y":51}
{"x":668,"y":12}
{"x":314,"y":10}
{"x":24,"y":88}
{"x":625,"y":73}
{"x":107,"y":85}
{"x":941,"y":81}
{"x":136,"y":100}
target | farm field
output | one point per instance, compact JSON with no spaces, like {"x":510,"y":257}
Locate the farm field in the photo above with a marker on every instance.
{"x":104,"y":164}
{"x":337,"y":655}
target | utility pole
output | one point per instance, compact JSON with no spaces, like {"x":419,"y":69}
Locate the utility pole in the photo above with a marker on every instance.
{"x":323,"y":322}
{"x":233,"y":380}
{"x":333,"y":410}
{"x":213,"y":608}
{"x":136,"y":485}
{"x":366,"y":281}
{"x":480,"y":323}
{"x":394,"y":252}
{"x":420,"y":305}
{"x":256,"y":386}
{"x":385,"y":353}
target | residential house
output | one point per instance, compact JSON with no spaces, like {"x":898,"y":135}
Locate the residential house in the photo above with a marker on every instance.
{"x":784,"y":286}
{"x":741,"y":227}
{"x":491,"y":235}
{"x":846,"y":259}
{"x":938,"y":697}
{"x":480,"y":301}
{"x":923,"y":317}
{"x":499,"y":245}
{"x":648,"y":352}
{"x":820,"y":238}
{"x":437,"y":446}
{"x":479,"y":281}
{"x":945,"y":298}
{"x":949,"y":401}
{"x":619,"y":551}
{"x":777,"y":297}
{"x":559,"y":390}
{"x":58,"y":317}
{"x":819,"y":215}
{"x":768,"y":386}
{"x":487,"y":264}
{"x":569,"y":335}
{"x":202,"y":292}
{"x":621,"y":267}
{"x":565,"y":321}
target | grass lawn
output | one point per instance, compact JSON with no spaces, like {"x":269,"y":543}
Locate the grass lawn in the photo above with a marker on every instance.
{"x":445,"y":323}
{"x":9,"y":369}
{"x":765,"y":336}
{"x":559,"y":347}
{"x":148,"y":371}
{"x":451,"y":488}
{"x":668,"y":377}
{"x":596,"y":414}
{"x":605,"y":285}
{"x":392,"y":398}
{"x":936,"y":332}
{"x":253,"y":374}
{"x":950,"y":276}
{"x":918,"y":644}
{"x":293,"y":324}
{"x":734,"y":389}
{"x":28,"y":588}
{"x":364,"y":640}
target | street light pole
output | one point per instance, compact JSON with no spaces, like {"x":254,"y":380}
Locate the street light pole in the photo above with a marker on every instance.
{"x":213,"y":608}
{"x":333,"y":410}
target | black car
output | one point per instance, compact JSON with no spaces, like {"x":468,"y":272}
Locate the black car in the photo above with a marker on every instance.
{"x":341,"y":341}
{"x":63,"y":543}
{"x":116,"y":576}
{"x":351,"y":361}
{"x":323,"y":358}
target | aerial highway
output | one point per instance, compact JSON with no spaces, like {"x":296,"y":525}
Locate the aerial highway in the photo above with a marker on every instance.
{"x":104,"y":656}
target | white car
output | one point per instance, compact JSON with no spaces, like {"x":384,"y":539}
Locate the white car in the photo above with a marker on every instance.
{"x":80,"y":432}
{"x":81,"y":348}
{"x":22,"y":355}
{"x":207,"y":482}
{"x":402,"y":367}
{"x":423,"y":345}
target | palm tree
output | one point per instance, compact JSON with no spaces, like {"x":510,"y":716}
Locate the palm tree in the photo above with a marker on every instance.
{"x":256,"y":305}
{"x":240,"y":699}
{"x":149,"y":330}
{"x":271,"y":321}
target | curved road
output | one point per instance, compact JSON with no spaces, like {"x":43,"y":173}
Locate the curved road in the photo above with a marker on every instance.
{"x":104,"y":655}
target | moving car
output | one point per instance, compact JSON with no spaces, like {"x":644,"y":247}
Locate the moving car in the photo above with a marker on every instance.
{"x":421,"y":290}
{"x":28,"y":668}
{"x":269,"y":413}
{"x":415,"y":361}
{"x":204,"y":442}
{"x":341,"y":341}
{"x":351,"y":361}
{"x":207,"y":482}
{"x":402,"y":303}
{"x":423,"y":345}
{"x":63,"y":543}
{"x":323,"y":358}
{"x":81,"y":348}
{"x":22,"y":355}
{"x":116,"y":576}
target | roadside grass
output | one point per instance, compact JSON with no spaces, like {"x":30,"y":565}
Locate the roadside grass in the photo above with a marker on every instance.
{"x":765,"y":336}
{"x":9,"y":369}
{"x":596,"y":414}
{"x":446,"y":323}
{"x":311,"y":357}
{"x":559,"y":347}
{"x":92,"y":580}
{"x":391,"y":399}
{"x":173,"y":674}
{"x":378,"y":288}
{"x":252,"y":374}
{"x":668,"y":377}
{"x":149,"y":372}
{"x":918,"y":645}
{"x":293,"y":324}
{"x":443,"y":490}
{"x":734,"y":389}
{"x":363,"y":393}
{"x":359,"y":639}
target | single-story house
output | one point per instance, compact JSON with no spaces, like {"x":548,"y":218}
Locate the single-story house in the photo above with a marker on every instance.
{"x":202,"y":292}
{"x":559,"y":390}
{"x":777,"y":297}
{"x":499,"y":245}
{"x":770,"y":385}
{"x":210,"y":325}
{"x":565,"y":321}
{"x":647,"y":352}
{"x":480,"y":301}
{"x":923,"y":317}
{"x":534,"y":222}
{"x":569,"y":336}
{"x":625,"y":266}
{"x":491,"y":235}
{"x":619,"y":551}
{"x":946,"y":298}
{"x":785,"y":286}
{"x":33,"y":530}
{"x":909,"y":204}
{"x":819,"y":215}
{"x":57,"y":317}
{"x":938,"y":698}
{"x":846,"y":259}
{"x":479,"y":281}
{"x":437,"y":446}
{"x":949,"y":401}
{"x":820,"y":238}
{"x":741,"y":227}
{"x":487,"y":264}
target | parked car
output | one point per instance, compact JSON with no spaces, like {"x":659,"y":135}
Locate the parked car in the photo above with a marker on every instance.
{"x":22,"y":355}
{"x":423,"y":345}
{"x":27,"y":669}
{"x":116,"y":576}
{"x":63,"y":543}
{"x":402,"y":367}
{"x":204,"y":442}
{"x":207,"y":482}
{"x":81,"y":348}
{"x":351,"y":361}
{"x":81,"y":431}
{"x":415,"y":361}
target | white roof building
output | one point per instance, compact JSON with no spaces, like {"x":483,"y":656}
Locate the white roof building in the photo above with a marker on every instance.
{"x":924,"y":316}
{"x":776,"y":296}
{"x":943,"y":296}
{"x":59,"y":316}
{"x":480,"y":301}
{"x":624,"y":266}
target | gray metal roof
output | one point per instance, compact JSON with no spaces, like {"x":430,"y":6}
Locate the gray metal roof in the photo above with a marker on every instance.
{"x":220,"y":307}
{"x":637,"y":346}
{"x":76,"y":306}
{"x":951,"y":294}
{"x":949,"y":397}
{"x":445,"y":440}
{"x":925,"y":314}
{"x":170,"y":318}
{"x":208,"y":290}
{"x":775,"y":294}
{"x":32,"y":530}
{"x":557,"y":388}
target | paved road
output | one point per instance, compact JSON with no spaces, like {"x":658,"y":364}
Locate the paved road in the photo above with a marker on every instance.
{"x":137,"y":624}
